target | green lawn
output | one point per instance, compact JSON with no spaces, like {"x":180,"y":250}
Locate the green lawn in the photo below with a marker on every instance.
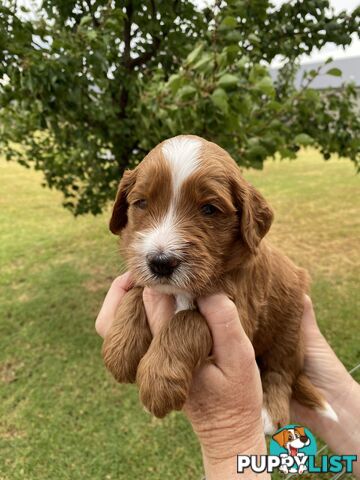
{"x":61,"y":415}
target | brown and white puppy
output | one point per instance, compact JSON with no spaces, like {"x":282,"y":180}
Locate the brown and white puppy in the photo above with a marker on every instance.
{"x":191,"y":225}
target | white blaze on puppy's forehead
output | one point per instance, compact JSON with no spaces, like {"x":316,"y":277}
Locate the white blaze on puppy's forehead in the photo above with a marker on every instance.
{"x":182,"y":155}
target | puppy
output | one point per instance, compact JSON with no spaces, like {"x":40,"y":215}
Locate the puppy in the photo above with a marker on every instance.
{"x":191,"y":225}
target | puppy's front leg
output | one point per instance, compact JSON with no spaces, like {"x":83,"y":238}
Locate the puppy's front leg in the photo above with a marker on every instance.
{"x":165,"y":373}
{"x":128,"y":338}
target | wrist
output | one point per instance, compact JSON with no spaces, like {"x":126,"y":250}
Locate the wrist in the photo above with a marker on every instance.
{"x":347,"y":429}
{"x":343,"y":392}
{"x":342,"y":436}
{"x":221,"y":449}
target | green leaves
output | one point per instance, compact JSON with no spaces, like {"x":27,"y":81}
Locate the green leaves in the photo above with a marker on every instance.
{"x":194,"y":55}
{"x":86,"y":20}
{"x":266,"y":86}
{"x":205,"y":62}
{"x":228,"y":23}
{"x":335,"y":72}
{"x":220,"y":99}
{"x":85,"y":101}
{"x":303,"y":139}
{"x":186,"y":92}
{"x":228,"y":81}
{"x":175,"y":82}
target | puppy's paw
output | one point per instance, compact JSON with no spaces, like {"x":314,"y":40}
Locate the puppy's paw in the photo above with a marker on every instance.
{"x":161,"y":389}
{"x":274,"y":415}
{"x":128,"y":338}
{"x":120,"y":361}
{"x":268,"y":425}
{"x":123,"y":351}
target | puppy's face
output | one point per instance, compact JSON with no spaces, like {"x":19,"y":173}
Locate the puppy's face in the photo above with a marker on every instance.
{"x":184,"y":213}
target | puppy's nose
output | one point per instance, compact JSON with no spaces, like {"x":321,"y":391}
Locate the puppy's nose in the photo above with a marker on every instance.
{"x":304,"y":438}
{"x":162,"y":264}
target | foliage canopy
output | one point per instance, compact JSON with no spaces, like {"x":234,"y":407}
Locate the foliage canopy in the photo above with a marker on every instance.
{"x":89,"y":86}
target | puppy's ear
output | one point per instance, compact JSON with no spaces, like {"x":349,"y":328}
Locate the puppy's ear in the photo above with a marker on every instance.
{"x":280,"y":437}
{"x":256,"y":216}
{"x":119,"y":214}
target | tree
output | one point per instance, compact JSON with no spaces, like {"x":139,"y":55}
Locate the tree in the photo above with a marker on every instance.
{"x":89,"y":86}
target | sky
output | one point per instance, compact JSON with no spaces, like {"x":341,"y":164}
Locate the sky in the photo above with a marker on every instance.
{"x":330,"y":50}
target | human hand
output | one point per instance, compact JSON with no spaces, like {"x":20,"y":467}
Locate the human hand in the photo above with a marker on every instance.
{"x":225,"y":416}
{"x":338,"y":387}
{"x":225,"y":400}
{"x":115,"y":294}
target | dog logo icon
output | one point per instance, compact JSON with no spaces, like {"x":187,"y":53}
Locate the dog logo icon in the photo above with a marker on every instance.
{"x":293,"y":444}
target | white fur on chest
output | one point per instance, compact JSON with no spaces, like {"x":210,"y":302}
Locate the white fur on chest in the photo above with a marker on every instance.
{"x":183,"y":300}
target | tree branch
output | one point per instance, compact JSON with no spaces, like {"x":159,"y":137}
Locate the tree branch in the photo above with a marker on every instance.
{"x":127,"y":34}
{"x":146,"y":56}
{"x":153,"y":9}
{"x":124,"y":95}
{"x":131,"y":63}
{"x":96,"y":22}
{"x":153,"y":48}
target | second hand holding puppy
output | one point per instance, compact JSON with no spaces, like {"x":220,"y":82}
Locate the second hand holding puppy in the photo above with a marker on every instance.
{"x":218,"y":404}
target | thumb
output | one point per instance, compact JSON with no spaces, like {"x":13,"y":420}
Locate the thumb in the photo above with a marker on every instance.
{"x":159,"y":308}
{"x":309,"y":325}
{"x":231,"y":346}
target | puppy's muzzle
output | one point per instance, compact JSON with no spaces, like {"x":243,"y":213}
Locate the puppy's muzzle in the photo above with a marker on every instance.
{"x":162,"y":264}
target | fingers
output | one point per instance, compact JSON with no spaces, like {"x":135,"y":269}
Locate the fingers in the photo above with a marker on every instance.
{"x":159,"y":308}
{"x":112,"y":300}
{"x":231,"y":348}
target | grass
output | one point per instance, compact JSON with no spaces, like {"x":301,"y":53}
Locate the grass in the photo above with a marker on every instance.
{"x":61,"y":415}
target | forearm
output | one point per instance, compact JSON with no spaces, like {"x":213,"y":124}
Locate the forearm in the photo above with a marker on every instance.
{"x":344,"y":437}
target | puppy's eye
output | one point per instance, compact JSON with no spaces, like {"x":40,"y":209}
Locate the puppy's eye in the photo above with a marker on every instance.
{"x":140,"y":204}
{"x":208,"y":209}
